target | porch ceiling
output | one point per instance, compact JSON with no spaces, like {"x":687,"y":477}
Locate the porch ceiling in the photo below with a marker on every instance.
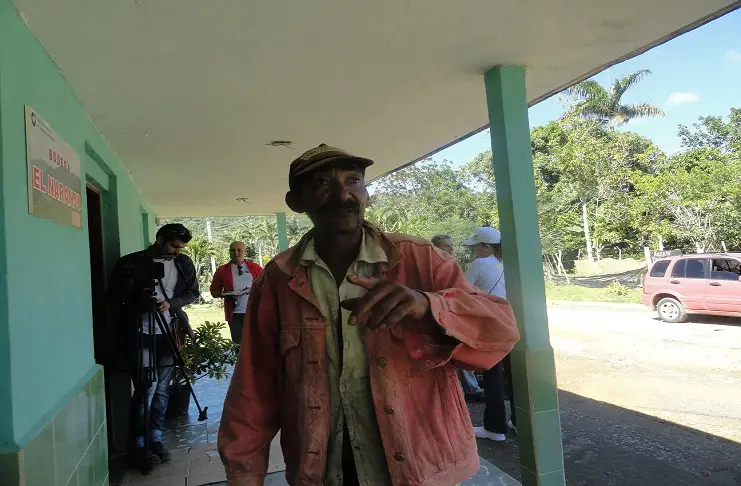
{"x":189,"y":92}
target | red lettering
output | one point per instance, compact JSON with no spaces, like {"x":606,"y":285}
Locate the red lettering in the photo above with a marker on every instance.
{"x":38,"y":179}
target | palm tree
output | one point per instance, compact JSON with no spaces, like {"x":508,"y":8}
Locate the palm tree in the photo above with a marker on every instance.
{"x":595,"y":102}
{"x":200,"y":250}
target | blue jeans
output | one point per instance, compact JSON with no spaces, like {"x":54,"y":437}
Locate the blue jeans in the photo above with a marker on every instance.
{"x":468,"y":382}
{"x":156,"y":394}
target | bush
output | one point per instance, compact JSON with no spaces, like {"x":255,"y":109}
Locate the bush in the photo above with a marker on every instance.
{"x":618,"y":289}
{"x":211,"y":354}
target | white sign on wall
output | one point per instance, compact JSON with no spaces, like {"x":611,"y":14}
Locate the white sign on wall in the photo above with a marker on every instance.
{"x":54,"y":184}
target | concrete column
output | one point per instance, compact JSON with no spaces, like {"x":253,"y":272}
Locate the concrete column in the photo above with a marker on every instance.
{"x":533,"y":366}
{"x":282,"y":232}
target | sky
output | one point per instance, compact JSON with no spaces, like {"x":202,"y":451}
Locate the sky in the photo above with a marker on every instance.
{"x":696,"y":74}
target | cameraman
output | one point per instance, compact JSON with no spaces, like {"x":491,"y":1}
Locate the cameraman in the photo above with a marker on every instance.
{"x":132,"y":284}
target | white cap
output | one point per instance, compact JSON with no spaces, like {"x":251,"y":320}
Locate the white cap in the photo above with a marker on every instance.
{"x":484,"y":235}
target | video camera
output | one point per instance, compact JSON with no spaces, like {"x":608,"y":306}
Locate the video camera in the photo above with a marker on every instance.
{"x":144,"y":272}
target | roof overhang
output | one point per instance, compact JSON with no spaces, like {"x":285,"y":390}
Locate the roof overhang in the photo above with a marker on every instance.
{"x":190,"y":93}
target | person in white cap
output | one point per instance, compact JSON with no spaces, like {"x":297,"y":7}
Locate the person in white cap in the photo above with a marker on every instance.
{"x":487,"y":273}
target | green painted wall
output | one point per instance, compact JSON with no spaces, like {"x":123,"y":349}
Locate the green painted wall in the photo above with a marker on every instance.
{"x":46,"y":341}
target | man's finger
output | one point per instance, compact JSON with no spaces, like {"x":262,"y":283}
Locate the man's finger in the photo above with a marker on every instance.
{"x":364,"y":308}
{"x":399,"y":313}
{"x":366,"y":282}
{"x":381,"y":311}
{"x":350,"y":304}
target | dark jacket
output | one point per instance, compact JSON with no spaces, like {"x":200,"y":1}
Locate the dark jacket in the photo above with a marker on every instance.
{"x":121,"y":289}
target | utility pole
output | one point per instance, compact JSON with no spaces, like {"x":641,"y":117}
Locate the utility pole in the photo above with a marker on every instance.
{"x":210,"y":240}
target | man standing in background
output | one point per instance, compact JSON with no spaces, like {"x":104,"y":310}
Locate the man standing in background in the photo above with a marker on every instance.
{"x":233,"y":282}
{"x":445,"y":243}
{"x":469,"y":383}
{"x":177,"y":288}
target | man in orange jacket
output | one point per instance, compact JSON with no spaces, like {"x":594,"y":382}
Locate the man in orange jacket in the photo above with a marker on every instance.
{"x":352,"y":339}
{"x":233,"y":281}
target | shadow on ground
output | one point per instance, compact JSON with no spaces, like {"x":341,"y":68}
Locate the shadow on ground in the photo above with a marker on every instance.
{"x":607,"y":445}
{"x":711,"y":320}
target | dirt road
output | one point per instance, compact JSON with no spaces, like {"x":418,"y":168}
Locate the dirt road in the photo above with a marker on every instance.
{"x":689,"y":374}
{"x":642,"y":401}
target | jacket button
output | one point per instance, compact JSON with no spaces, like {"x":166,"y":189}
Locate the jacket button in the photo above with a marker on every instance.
{"x":389,"y":411}
{"x":381,"y":362}
{"x":399,"y":457}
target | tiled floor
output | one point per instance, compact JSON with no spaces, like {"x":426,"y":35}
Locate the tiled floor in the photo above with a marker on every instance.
{"x":187,"y":431}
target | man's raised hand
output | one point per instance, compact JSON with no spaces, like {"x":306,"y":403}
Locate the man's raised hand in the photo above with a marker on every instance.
{"x":386,"y":304}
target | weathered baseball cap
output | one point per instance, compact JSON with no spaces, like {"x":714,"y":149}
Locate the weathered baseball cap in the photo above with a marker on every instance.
{"x":320,"y":156}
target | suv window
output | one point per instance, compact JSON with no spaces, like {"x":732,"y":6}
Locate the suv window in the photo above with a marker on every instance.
{"x":725,"y":269}
{"x":689,"y":268}
{"x":659,"y":268}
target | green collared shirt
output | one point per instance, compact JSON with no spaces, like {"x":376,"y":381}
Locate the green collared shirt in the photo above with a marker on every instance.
{"x":349,"y":381}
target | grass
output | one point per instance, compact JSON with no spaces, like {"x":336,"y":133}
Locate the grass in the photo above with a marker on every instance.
{"x":587,"y":294}
{"x":200,"y":313}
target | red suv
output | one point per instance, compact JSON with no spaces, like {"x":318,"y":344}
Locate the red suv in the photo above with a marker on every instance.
{"x":694,"y":284}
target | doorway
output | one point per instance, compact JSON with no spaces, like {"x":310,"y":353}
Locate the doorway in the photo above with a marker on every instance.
{"x":97,"y":273}
{"x":102,"y":344}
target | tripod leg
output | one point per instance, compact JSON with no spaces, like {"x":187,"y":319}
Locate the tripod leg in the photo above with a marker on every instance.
{"x":202,"y":412}
{"x":142,"y":373}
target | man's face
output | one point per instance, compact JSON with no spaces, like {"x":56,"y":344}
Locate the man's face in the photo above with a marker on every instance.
{"x":447,"y":246}
{"x":334,"y":198}
{"x":237,"y":252}
{"x":170,"y":249}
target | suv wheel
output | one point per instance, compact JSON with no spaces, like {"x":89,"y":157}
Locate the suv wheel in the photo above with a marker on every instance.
{"x":671,"y":310}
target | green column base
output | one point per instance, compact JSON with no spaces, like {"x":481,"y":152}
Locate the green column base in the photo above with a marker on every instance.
{"x":536,"y":407}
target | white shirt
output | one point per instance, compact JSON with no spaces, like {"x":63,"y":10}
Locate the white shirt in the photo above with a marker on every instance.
{"x":488,"y":275}
{"x":241,"y":282}
{"x":169,"y":281}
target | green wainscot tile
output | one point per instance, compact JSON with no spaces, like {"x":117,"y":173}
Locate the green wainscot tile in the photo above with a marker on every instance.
{"x":38,"y":459}
{"x":99,"y":449}
{"x":86,"y":469}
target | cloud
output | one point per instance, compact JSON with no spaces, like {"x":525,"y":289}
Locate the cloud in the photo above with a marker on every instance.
{"x":733,"y":56}
{"x":678,"y":98}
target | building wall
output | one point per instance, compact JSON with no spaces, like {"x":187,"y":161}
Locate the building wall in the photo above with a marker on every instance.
{"x":47,"y":370}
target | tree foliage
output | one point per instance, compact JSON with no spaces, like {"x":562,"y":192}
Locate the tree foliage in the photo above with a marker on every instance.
{"x":605,"y":105}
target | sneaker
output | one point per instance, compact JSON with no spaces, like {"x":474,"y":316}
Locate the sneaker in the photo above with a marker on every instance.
{"x":512,"y":426}
{"x":159,"y":449}
{"x":482,"y":433}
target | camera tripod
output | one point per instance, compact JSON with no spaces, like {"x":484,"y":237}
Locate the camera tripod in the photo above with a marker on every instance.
{"x":146,"y":366}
